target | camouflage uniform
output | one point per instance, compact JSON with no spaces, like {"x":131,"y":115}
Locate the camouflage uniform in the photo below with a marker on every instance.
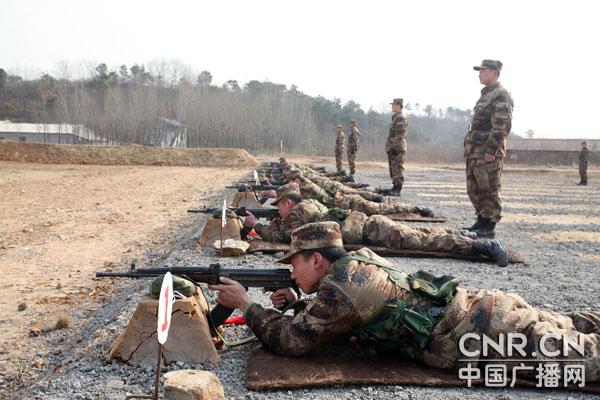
{"x":310,"y":190}
{"x":337,"y":187}
{"x":339,"y":148}
{"x":302,"y":213}
{"x":352,"y":148}
{"x":489,"y":128}
{"x":379,"y":230}
{"x":395,"y":147}
{"x":584,"y":158}
{"x":417,"y":316}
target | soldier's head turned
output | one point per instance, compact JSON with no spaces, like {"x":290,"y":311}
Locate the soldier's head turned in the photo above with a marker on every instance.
{"x":489,"y":71}
{"x":314,"y":248}
{"x":339,"y":127}
{"x":397,"y":104}
{"x":352,"y":123}
{"x":583,"y":143}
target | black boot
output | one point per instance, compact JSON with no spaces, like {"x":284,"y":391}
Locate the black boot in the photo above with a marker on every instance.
{"x":393,"y":191}
{"x":425,"y":212}
{"x":476,"y":225}
{"x":492,"y":249}
{"x":486,"y":229}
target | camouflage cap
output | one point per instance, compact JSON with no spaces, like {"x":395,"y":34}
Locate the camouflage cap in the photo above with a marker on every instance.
{"x":316,"y":235}
{"x":339,"y":127}
{"x":489,"y":64}
{"x":292,"y":173}
{"x":286,"y":190}
{"x":398,"y":101}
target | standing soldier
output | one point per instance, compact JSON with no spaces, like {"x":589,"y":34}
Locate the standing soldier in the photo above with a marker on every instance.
{"x":395,"y":147}
{"x":339,"y":148}
{"x":352,"y":145}
{"x":485,"y":148}
{"x":584,"y":158}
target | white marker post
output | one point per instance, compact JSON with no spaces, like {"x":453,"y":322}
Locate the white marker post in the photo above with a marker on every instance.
{"x":222,"y":225}
{"x":256,"y":178}
{"x":165,"y":308}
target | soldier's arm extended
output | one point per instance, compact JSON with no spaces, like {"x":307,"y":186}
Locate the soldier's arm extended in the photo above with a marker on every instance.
{"x":282,"y":233}
{"x":501,"y":123}
{"x":329,"y":315}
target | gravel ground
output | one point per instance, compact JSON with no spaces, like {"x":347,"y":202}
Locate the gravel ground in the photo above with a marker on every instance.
{"x":559,"y":276}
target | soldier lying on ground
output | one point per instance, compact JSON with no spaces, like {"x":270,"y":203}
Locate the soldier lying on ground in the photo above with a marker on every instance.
{"x":416,"y":316}
{"x":378,"y":230}
{"x":347,"y":201}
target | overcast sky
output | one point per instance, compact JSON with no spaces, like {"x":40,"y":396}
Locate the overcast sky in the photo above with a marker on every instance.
{"x":368,"y":51}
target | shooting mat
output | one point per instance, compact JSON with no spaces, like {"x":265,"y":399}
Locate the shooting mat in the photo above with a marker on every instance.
{"x":342,"y":364}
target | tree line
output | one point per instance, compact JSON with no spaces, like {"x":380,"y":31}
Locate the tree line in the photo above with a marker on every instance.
{"x":122,"y":105}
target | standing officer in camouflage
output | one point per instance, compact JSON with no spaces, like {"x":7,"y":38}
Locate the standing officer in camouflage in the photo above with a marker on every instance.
{"x":584,"y":158}
{"x":339,"y":148}
{"x":395,"y":147}
{"x":417,"y":316}
{"x":485,"y":148}
{"x":352,"y":146}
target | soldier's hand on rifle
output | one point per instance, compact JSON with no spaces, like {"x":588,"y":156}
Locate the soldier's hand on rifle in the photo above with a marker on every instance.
{"x":250,"y":221}
{"x":269,"y":193}
{"x":232,"y":294}
{"x":280,"y":297}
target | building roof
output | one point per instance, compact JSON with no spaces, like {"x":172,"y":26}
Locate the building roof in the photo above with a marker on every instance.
{"x":551,"y":144}
{"x":52,"y":129}
{"x":172,"y":122}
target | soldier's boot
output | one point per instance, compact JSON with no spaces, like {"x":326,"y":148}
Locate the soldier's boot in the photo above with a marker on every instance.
{"x":492,"y":249}
{"x":476,"y":225}
{"x":425,"y":212}
{"x":486,"y":229}
{"x":393,"y":191}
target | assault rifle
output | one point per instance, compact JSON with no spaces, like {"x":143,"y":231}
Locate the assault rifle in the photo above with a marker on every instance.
{"x":270,"y":279}
{"x":268,"y":213}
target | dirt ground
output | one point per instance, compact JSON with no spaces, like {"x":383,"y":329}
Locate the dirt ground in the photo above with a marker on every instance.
{"x":60,"y":223}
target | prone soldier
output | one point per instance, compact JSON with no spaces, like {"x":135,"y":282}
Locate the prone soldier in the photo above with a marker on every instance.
{"x":359,"y":228}
{"x":418,"y":316}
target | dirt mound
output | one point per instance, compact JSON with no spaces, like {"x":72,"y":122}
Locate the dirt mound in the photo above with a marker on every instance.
{"x":123,"y":155}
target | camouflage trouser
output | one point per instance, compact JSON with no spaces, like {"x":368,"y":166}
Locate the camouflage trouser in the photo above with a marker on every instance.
{"x":396,"y":164}
{"x":338,"y":160}
{"x":583,"y":166}
{"x":351,"y":159}
{"x":358,"y":228}
{"x":484,"y":181}
{"x":356,"y":202}
{"x":337,"y":187}
{"x":492,"y":312}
